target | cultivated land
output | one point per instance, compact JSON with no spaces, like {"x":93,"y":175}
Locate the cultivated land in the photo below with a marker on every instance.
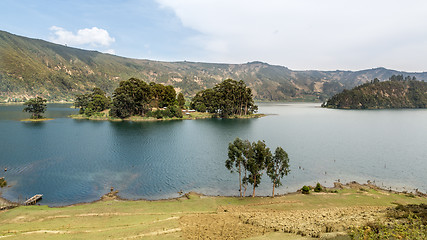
{"x":193,"y":216}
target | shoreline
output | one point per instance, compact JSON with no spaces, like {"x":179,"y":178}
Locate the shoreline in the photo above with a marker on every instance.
{"x":36,"y":120}
{"x":197,"y":116}
{"x":338,"y":211}
{"x":114,"y":195}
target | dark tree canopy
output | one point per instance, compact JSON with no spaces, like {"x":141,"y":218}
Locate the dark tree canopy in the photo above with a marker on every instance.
{"x":90,"y":103}
{"x":35,"y":106}
{"x":162,"y":96}
{"x":181,"y":100}
{"x":134,"y":97}
{"x":398,"y":92}
{"x":227,"y":98}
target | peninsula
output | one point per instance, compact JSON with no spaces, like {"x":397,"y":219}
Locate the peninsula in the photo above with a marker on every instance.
{"x":397,"y":92}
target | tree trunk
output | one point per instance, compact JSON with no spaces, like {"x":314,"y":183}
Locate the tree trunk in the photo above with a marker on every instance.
{"x":240,"y":180}
{"x":245,"y":186}
{"x":253,"y":194}
{"x":274,"y":184}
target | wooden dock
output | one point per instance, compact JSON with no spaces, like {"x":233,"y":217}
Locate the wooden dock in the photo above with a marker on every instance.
{"x":33,"y":199}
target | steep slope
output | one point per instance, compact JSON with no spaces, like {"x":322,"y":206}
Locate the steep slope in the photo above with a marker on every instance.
{"x":30,"y":67}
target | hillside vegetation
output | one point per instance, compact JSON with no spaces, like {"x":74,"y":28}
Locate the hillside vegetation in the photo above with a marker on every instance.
{"x":395,"y":93}
{"x":31,"y":67}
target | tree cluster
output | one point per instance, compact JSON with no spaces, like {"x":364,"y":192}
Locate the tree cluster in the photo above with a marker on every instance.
{"x":402,"y":78}
{"x":398,"y":92}
{"x":35,"y":106}
{"x":134,"y":97}
{"x":226,"y":99}
{"x":90,"y":103}
{"x":250,"y":160}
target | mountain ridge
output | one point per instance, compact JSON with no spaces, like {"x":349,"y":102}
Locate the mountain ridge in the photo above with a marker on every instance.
{"x":33,"y":67}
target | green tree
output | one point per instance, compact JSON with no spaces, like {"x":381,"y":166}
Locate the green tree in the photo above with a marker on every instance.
{"x":259,"y":156}
{"x":169,"y":97}
{"x":278,"y":167}
{"x":181,"y":100}
{"x":226,"y":99}
{"x":35,"y":106}
{"x":82,"y":101}
{"x":237,"y":161}
{"x":132,"y":97}
{"x":90,"y":103}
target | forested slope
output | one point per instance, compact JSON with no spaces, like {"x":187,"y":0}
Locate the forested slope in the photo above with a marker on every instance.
{"x":404,"y":93}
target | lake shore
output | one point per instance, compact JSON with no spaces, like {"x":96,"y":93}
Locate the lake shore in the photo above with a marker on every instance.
{"x":114,"y":194}
{"x":192,"y":116}
{"x":291,"y":216}
{"x":36,"y":120}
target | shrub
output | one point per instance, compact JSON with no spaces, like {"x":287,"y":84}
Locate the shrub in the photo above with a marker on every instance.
{"x":318,"y":188}
{"x":305,"y":190}
{"x":3,"y":182}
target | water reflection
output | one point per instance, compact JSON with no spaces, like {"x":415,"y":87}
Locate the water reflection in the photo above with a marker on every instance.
{"x":72,"y":161}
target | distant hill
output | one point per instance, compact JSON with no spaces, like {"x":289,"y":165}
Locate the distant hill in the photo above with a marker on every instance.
{"x":30,"y":67}
{"x":380,"y":95}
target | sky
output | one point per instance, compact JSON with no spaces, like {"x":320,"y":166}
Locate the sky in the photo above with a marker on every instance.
{"x":298,"y":34}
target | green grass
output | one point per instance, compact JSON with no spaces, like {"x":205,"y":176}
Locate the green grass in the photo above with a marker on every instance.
{"x":116,"y":218}
{"x":36,"y":120}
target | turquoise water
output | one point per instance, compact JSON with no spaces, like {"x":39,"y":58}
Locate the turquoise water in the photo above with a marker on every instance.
{"x":72,"y":161}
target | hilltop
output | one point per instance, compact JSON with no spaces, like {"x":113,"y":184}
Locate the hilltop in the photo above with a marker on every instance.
{"x":407,"y":93}
{"x":30,"y":67}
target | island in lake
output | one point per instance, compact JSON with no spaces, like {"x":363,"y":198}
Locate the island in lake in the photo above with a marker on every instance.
{"x":136,"y":100}
{"x":397,"y":92}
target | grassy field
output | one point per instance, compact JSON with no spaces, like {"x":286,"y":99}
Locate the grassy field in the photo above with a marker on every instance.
{"x":200,"y":217}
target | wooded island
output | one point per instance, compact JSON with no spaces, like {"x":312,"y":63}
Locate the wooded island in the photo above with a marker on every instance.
{"x":397,"y":92}
{"x":135,"y":99}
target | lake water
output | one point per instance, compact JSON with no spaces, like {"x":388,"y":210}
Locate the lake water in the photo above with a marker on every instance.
{"x":71,"y":161}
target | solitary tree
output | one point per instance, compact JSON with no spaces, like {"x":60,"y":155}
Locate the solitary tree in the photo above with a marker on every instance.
{"x":259,"y":156}
{"x":278,"y":167}
{"x":236,"y":160}
{"x":35,"y":106}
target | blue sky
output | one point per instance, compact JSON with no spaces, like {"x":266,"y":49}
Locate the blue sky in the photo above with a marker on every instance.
{"x":299,"y":34}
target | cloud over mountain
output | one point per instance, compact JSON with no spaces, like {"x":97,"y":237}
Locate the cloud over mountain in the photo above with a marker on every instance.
{"x":94,"y":37}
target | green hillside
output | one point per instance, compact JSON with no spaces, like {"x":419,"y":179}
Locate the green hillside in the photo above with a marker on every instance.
{"x":30,"y":67}
{"x":402,"y":93}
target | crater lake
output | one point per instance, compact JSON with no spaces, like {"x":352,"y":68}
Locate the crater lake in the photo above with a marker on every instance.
{"x":72,"y":161}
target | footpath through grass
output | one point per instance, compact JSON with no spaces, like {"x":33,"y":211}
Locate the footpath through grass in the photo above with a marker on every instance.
{"x":200,"y":217}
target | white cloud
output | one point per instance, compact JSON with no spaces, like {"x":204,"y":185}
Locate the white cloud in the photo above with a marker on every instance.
{"x":309,"y":34}
{"x":110,"y":51}
{"x":94,"y":37}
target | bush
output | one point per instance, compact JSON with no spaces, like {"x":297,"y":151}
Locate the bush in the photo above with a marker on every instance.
{"x":318,"y":188}
{"x":3,"y":182}
{"x":305,"y":190}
